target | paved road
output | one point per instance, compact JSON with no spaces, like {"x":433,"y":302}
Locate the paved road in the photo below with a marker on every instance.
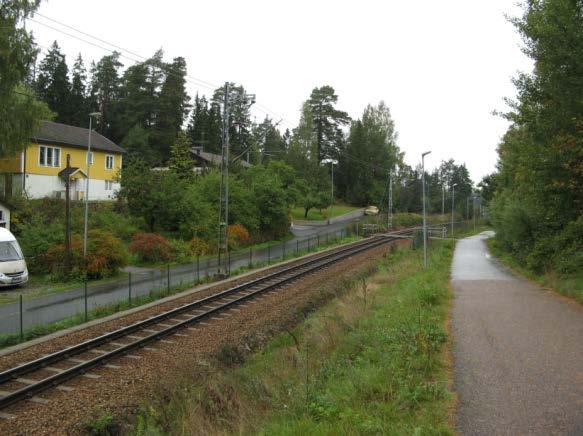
{"x":518,"y":351}
{"x":59,"y":306}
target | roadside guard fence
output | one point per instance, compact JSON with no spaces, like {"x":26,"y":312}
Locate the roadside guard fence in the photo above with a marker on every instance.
{"x":27,"y":315}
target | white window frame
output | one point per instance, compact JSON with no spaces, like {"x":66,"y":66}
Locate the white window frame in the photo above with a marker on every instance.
{"x":46,"y":148}
{"x":107,"y":157}
{"x":109,"y":185}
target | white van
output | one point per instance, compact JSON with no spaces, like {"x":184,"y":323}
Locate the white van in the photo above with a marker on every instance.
{"x":12,"y":265}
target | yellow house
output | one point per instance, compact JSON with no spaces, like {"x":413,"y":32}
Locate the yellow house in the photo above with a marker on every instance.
{"x":41,"y":169}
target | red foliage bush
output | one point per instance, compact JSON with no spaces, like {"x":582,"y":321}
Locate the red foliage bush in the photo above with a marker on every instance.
{"x":105,"y":255}
{"x":151,"y":247}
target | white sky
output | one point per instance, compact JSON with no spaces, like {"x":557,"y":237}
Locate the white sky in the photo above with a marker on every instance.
{"x":441,"y":66}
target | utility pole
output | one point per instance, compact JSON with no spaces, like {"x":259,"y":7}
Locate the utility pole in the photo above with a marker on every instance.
{"x":89,"y":163}
{"x":453,"y":206}
{"x":442,"y":199}
{"x":67,"y":260}
{"x":424,"y":216}
{"x":224,"y":194}
{"x":390,"y":211}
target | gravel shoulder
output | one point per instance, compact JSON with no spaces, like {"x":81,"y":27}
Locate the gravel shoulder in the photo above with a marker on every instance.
{"x":518,"y":351}
{"x":121,"y":390}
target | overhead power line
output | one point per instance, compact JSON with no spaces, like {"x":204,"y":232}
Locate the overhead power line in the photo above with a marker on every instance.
{"x":121,"y":50}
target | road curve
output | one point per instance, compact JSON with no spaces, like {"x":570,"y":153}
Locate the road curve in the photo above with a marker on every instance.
{"x":518,"y":351}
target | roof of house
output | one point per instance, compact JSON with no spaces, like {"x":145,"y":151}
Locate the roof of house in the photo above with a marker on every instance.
{"x":57,"y":133}
{"x":214,"y":159}
{"x":70,"y":171}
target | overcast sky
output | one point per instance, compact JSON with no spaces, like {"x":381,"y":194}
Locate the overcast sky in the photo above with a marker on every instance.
{"x":441,"y":66}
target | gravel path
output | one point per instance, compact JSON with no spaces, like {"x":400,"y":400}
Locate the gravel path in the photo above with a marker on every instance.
{"x":518,"y":351}
{"x":122,"y":388}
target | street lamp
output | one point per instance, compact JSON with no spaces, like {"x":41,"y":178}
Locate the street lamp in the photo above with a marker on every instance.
{"x":91,"y":115}
{"x":332,"y":163}
{"x":452,"y":205}
{"x":424,"y":217}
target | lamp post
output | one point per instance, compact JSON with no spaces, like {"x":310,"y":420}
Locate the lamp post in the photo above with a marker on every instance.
{"x":424,"y":217}
{"x":91,"y":115}
{"x":453,"y":205}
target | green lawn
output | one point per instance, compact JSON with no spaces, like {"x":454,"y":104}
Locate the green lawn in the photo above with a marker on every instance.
{"x":372,"y":361}
{"x":315,"y":214}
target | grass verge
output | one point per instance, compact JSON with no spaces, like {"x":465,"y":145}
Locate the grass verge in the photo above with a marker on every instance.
{"x":372,"y":361}
{"x":569,"y":285}
{"x":320,"y":215}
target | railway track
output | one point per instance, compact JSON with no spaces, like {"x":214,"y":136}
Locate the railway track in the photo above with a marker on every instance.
{"x":32,"y":375}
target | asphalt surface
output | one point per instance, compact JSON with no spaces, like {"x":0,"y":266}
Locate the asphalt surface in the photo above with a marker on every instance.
{"x":56,"y":307}
{"x":518,"y":351}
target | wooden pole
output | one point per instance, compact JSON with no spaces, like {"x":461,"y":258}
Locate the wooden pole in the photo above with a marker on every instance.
{"x":67,"y":265}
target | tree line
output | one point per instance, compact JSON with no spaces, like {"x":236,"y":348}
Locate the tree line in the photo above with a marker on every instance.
{"x":536,"y":196}
{"x":146,"y":109}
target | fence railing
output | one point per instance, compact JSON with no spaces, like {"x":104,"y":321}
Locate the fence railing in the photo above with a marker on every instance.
{"x":31,"y":316}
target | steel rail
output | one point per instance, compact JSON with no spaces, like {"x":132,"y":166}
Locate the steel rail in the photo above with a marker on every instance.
{"x":300,"y":270}
{"x":124,"y":331}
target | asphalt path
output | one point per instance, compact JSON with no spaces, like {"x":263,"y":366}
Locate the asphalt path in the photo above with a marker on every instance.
{"x":518,"y":351}
{"x":56,"y":307}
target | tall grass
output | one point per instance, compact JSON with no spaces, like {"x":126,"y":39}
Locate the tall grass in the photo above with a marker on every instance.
{"x":371,"y":361}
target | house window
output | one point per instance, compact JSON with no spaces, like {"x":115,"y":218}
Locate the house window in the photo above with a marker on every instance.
{"x":108,"y":185}
{"x":90,"y":158}
{"x":49,"y":156}
{"x":109,"y":161}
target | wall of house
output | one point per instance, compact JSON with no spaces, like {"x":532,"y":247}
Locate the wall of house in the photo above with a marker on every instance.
{"x":78,"y":159}
{"x":40,"y":186}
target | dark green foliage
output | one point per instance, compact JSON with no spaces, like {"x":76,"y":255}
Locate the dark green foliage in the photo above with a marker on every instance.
{"x":371,"y":151}
{"x":53,"y":86}
{"x":20,"y":111}
{"x":180,"y":161}
{"x":327,"y":122}
{"x":539,"y":188}
{"x":204,"y":128}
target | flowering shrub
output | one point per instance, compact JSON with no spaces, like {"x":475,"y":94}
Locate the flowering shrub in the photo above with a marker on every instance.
{"x":198,"y":247}
{"x":105,"y":255}
{"x":151,"y":247}
{"x":238,"y":235}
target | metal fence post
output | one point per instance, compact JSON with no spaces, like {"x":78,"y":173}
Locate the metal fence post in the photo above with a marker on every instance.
{"x":85,"y":293}
{"x":197,"y":269}
{"x":283,"y":246}
{"x":21,"y":321}
{"x":229,"y":263}
{"x":250,"y":256}
{"x":168,"y":278}
{"x":130,"y":288}
{"x":297,"y":246}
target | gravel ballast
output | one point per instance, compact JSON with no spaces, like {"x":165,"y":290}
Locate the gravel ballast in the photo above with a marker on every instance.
{"x":121,"y":388}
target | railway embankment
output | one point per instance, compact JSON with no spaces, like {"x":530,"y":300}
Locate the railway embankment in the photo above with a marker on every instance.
{"x":373,"y":359}
{"x":118,"y":388}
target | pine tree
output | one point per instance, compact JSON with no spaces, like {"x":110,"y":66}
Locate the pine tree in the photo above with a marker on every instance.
{"x":53,"y":85}
{"x":105,"y":86}
{"x":79,"y":105}
{"x":180,"y":161}
{"x":327,"y":122}
{"x":173,"y":108}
